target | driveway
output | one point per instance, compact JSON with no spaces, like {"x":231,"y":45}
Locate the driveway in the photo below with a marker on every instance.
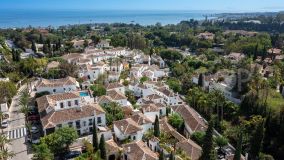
{"x":16,"y":130}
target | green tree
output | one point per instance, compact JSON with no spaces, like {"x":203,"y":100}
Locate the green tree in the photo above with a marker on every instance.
{"x":7,"y":91}
{"x":95,"y":136}
{"x":174,"y":84}
{"x":157,"y":127}
{"x":144,"y":79}
{"x":256,"y":141}
{"x":172,"y":156}
{"x":102,"y":147}
{"x":98,"y":90}
{"x":33,"y":47}
{"x":161,"y":155}
{"x":198,"y":137}
{"x":176,"y":121}
{"x":59,"y":141}
{"x":201,"y":80}
{"x":238,"y":152}
{"x":42,"y":152}
{"x":221,"y":142}
{"x":208,"y":151}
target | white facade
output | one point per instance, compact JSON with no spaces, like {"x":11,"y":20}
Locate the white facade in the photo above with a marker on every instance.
{"x":134,"y":136}
{"x":58,"y":89}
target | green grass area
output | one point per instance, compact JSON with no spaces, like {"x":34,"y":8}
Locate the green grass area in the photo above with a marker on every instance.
{"x":275,"y":100}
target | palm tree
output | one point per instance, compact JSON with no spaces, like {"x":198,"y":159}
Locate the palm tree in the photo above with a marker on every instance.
{"x":24,"y":101}
{"x":1,"y":119}
{"x":3,"y":141}
{"x":5,"y":154}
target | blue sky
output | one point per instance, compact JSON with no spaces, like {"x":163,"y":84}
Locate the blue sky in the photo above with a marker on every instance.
{"x":221,"y":5}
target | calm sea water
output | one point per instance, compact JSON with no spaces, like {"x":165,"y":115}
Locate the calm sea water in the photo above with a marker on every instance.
{"x":43,"y":18}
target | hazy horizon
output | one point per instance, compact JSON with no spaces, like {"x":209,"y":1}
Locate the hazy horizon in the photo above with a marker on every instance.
{"x":159,"y":5}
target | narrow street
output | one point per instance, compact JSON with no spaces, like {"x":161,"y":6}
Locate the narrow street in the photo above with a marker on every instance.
{"x":16,"y":130}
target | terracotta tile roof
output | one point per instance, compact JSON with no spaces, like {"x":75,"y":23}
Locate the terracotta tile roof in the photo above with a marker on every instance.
{"x":149,"y":108}
{"x":127,"y":126}
{"x":115,"y":95}
{"x":71,"y":56}
{"x":127,"y":111}
{"x":140,"y":119}
{"x":139,"y":151}
{"x":113,"y":86}
{"x":53,"y":64}
{"x":50,"y":100}
{"x":112,"y":147}
{"x":84,"y":60}
{"x":142,"y":86}
{"x":57,"y":82}
{"x":104,"y":99}
{"x":58,"y":117}
{"x":167,"y":128}
{"x":190,"y":148}
{"x":160,"y":105}
{"x":191,"y":117}
{"x":166,"y":92}
{"x":153,"y":96}
{"x":275,"y":51}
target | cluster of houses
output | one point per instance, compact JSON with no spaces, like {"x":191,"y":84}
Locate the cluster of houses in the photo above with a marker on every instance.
{"x":70,"y":104}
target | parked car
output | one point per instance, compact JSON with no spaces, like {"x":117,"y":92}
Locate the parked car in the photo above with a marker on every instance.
{"x":34,"y":140}
{"x":34,"y":130}
{"x":72,"y":154}
{"x":4,"y":123}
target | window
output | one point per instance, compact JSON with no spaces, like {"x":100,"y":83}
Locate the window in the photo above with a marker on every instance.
{"x":84,"y":123}
{"x":59,"y":125}
{"x":78,"y":124}
{"x":161,"y":112}
{"x":70,"y":124}
{"x":90,"y":122}
{"x":99,"y":120}
{"x":69,"y":103}
{"x":76,"y":102}
{"x":134,"y":138}
{"x":54,"y":90}
{"x":79,"y":132}
{"x":61,"y":105}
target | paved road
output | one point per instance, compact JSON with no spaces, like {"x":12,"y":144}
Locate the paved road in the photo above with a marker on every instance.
{"x":16,"y":130}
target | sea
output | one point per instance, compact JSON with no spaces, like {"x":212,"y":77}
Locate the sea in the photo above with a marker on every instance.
{"x":14,"y":18}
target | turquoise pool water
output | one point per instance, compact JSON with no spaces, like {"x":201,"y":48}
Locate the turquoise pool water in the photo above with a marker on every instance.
{"x":84,"y":94}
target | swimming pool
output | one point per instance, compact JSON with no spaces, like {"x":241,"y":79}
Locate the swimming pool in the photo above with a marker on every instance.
{"x":84,"y":94}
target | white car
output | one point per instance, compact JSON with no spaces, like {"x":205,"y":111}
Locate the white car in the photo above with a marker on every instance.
{"x":34,"y":129}
{"x":4,"y":124}
{"x":35,"y":141}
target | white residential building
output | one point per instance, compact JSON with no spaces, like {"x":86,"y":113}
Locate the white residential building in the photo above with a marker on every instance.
{"x":74,"y":109}
{"x":67,"y":84}
{"x":170,"y":98}
{"x":127,"y":128}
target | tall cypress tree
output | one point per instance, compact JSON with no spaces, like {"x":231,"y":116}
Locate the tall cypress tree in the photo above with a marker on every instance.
{"x":102,"y":147}
{"x":157,"y":127}
{"x":208,"y":152}
{"x":201,"y":80}
{"x":238,"y":151}
{"x":95,"y":136}
{"x":256,"y":141}
{"x":161,"y":155}
{"x":172,"y":157}
{"x":33,"y":47}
